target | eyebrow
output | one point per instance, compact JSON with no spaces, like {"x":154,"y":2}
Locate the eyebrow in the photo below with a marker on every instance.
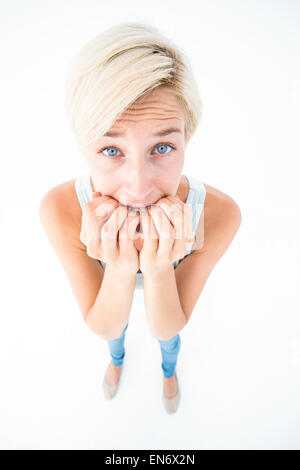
{"x":162,"y":133}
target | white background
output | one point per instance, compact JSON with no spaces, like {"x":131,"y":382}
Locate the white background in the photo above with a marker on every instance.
{"x":239,"y":364}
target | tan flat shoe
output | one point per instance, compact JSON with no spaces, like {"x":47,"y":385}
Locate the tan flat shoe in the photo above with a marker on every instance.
{"x":110,"y":391}
{"x":171,"y":404}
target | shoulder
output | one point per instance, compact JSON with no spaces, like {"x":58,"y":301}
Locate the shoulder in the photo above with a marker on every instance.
{"x":219,"y":205}
{"x":219,"y":221}
{"x":60,"y":210}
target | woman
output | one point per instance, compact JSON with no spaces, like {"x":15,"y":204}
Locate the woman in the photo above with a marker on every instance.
{"x":133,"y":105}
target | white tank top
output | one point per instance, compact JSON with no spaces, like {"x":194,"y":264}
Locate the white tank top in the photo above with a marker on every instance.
{"x":195,"y":199}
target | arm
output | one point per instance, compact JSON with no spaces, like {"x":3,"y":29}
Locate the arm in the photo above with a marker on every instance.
{"x":175,"y":293}
{"x":162,"y":304}
{"x":85,"y":274}
{"x":110,"y":311}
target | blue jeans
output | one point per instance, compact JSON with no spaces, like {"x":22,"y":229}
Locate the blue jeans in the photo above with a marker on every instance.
{"x":169,"y":352}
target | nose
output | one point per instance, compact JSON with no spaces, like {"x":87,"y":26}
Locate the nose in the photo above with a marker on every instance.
{"x":138,"y":189}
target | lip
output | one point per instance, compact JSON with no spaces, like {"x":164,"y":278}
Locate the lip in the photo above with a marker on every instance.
{"x":137,"y":205}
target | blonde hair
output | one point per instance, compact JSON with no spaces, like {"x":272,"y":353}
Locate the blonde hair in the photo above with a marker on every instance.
{"x":120,"y":65}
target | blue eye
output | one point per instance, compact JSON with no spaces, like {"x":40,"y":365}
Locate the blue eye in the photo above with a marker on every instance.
{"x":114,"y":155}
{"x":105,"y":148}
{"x":163,"y":145}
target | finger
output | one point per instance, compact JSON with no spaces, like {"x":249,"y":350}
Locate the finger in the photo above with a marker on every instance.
{"x":105,"y":207}
{"x":96,"y":194}
{"x":94,"y":215}
{"x":93,"y":219}
{"x":115,"y":222}
{"x":174,"y":213}
{"x":97,"y":218}
{"x":184,"y":228}
{"x":127,"y":232}
{"x":189,"y":234}
{"x":165,"y":231}
{"x":109,"y":231}
{"x":187,"y":213}
{"x":149,"y":235}
{"x":96,"y":201}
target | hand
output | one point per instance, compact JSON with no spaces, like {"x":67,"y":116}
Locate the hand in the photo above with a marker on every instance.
{"x":108,"y":232}
{"x":167,"y":232}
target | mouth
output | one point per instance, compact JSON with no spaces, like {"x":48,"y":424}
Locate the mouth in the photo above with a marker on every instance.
{"x":137,"y":207}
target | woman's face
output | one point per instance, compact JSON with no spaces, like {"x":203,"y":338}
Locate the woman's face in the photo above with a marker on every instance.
{"x":138,"y":167}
